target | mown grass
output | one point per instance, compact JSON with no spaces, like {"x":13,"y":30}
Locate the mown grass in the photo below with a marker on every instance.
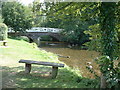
{"x":13,"y":72}
{"x":20,"y":49}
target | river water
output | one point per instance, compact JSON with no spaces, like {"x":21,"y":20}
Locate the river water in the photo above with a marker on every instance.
{"x":74,"y":58}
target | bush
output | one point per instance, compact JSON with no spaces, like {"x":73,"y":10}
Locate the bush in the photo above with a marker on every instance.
{"x":111,"y":70}
{"x":24,"y":38}
{"x":3,"y":31}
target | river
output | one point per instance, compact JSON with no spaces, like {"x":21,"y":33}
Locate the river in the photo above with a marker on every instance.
{"x":74,"y":58}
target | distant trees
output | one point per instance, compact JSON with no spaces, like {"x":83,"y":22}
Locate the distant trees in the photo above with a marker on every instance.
{"x":17,"y":16}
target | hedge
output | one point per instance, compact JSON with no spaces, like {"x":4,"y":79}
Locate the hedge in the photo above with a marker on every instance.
{"x":3,"y":31}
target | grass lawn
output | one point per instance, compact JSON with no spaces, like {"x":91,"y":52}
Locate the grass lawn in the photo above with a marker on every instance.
{"x":13,"y":72}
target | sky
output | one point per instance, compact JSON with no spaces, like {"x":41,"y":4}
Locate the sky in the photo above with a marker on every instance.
{"x":26,"y":2}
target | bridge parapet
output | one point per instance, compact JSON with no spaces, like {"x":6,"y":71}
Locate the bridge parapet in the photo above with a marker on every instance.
{"x":42,"y":29}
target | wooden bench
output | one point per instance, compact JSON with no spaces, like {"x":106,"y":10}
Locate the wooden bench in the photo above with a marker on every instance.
{"x":4,"y":43}
{"x":54,"y":66}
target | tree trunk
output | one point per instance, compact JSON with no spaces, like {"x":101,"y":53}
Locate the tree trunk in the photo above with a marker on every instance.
{"x":103,"y":82}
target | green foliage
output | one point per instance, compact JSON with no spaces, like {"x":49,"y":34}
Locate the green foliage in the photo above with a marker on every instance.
{"x":95,"y":35}
{"x":109,"y":70}
{"x":73,"y":31}
{"x":105,"y":39}
{"x":3,"y":31}
{"x":1,"y":20}
{"x":24,"y":38}
{"x":37,"y":11}
{"x":71,"y":17}
{"x":95,"y":30}
{"x":46,"y":38}
{"x":108,"y":42}
{"x":109,"y":45}
{"x":16,"y":16}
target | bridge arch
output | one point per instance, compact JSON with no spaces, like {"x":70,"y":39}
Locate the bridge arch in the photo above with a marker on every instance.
{"x":48,"y":38}
{"x":30,"y":40}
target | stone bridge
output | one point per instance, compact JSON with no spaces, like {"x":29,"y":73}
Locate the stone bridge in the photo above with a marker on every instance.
{"x":35,"y":33}
{"x":35,"y":36}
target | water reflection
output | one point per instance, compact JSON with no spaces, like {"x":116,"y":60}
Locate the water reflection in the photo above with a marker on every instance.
{"x":74,"y":58}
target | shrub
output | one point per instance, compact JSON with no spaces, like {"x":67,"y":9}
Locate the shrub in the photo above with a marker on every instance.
{"x":3,"y":31}
{"x":111,"y":70}
{"x":24,"y":38}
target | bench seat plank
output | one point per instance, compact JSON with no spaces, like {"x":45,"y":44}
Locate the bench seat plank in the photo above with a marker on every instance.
{"x":41,"y":63}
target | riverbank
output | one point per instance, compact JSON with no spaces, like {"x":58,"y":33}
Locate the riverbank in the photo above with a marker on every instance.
{"x":73,"y":57}
{"x":14,"y":77}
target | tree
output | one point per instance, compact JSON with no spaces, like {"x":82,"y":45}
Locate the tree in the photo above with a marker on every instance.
{"x":1,"y":20}
{"x":108,"y":36}
{"x":105,"y":37}
{"x":16,"y":16}
{"x":36,"y":8}
{"x":68,"y":16}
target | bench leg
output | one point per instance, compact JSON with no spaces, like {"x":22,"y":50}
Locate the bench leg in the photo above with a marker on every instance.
{"x":4,"y":43}
{"x":27,"y":68}
{"x":54,"y":72}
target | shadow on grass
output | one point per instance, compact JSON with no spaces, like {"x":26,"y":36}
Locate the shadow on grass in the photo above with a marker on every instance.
{"x":40,"y":78}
